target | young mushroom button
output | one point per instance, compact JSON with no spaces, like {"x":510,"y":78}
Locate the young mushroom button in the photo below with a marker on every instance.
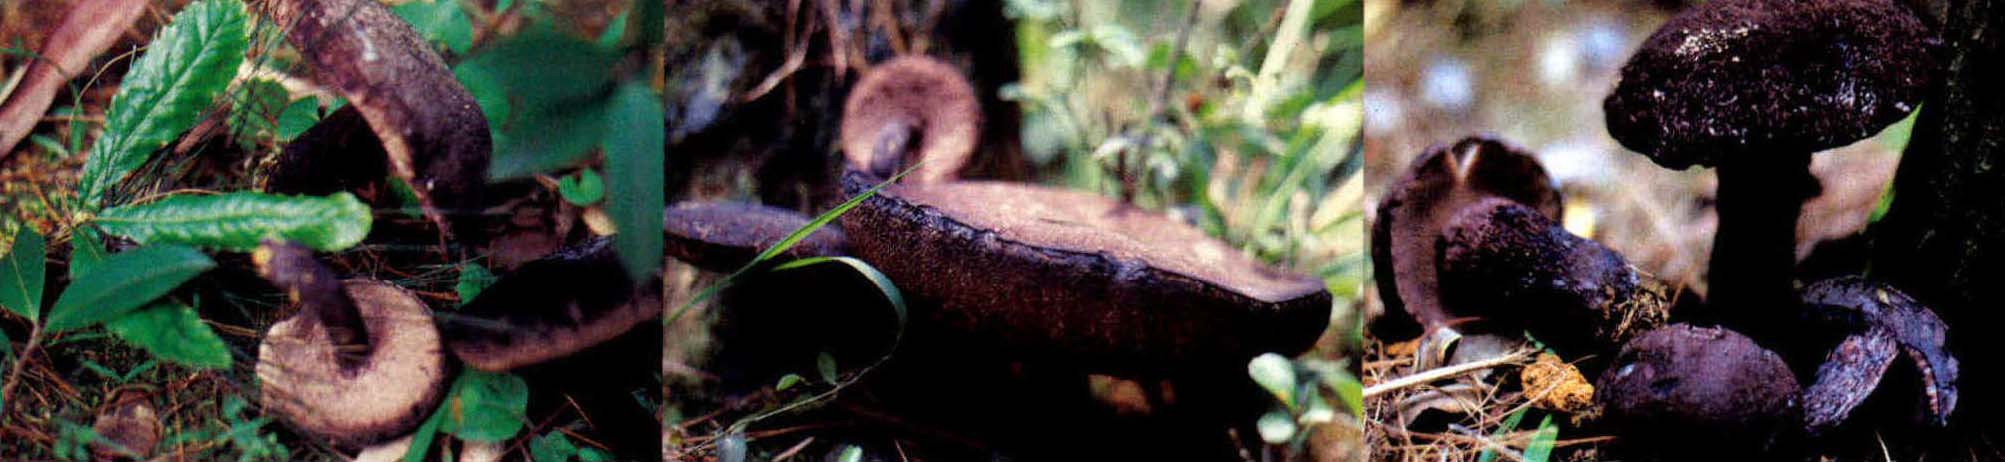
{"x":1754,"y":87}
{"x":907,"y":109}
{"x":359,"y":363}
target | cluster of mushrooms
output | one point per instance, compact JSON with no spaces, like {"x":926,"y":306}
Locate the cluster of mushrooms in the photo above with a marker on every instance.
{"x":361,"y":363}
{"x":1468,"y":238}
{"x":1035,"y":271}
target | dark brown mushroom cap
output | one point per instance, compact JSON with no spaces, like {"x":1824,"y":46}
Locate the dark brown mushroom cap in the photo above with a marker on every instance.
{"x":1767,"y":77}
{"x":1419,"y":203}
{"x":724,"y":236}
{"x":430,"y":126}
{"x":550,"y":308}
{"x":911,"y":108}
{"x":386,"y":395}
{"x":1877,"y":320}
{"x":1683,"y":384}
{"x":1079,"y":276}
{"x":1519,"y":270}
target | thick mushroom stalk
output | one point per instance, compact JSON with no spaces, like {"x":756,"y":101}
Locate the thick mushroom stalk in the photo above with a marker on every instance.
{"x":1877,"y":321}
{"x":550,"y":308}
{"x":434,"y":133}
{"x":907,"y":109}
{"x":1509,"y":264}
{"x":1417,"y":206}
{"x":1755,"y":87}
{"x":359,"y":363}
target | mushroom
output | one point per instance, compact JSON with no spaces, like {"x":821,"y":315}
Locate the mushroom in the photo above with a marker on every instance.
{"x":358,"y":363}
{"x":724,"y":236}
{"x":430,"y":127}
{"x":1438,"y":184}
{"x":1877,"y":320}
{"x":1076,"y":275}
{"x":1506,"y":263}
{"x":568,"y":301}
{"x":1754,"y":87}
{"x":127,"y":427}
{"x":1681,"y":384}
{"x":906,"y":109}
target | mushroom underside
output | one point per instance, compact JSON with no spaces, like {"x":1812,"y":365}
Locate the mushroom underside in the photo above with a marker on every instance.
{"x":1079,"y":277}
{"x":385,"y":396}
{"x":908,"y":109}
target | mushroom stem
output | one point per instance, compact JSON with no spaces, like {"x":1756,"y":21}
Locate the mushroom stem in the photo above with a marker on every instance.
{"x":1754,"y":249}
{"x":893,"y":141}
{"x":313,"y":287}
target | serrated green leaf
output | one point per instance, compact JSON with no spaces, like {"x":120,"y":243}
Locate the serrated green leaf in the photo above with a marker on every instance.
{"x":441,"y":22}
{"x":472,"y":279}
{"x":173,"y":332}
{"x":237,"y":221}
{"x":552,"y":447}
{"x":165,"y":91}
{"x":634,"y":177}
{"x":486,"y":406}
{"x":124,"y":282}
{"x":254,"y":110}
{"x":583,"y":189}
{"x":22,"y":275}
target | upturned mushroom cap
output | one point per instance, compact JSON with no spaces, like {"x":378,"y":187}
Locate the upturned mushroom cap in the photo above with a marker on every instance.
{"x":1877,"y":321}
{"x":1417,"y":205}
{"x":550,"y":308}
{"x":1519,"y":270}
{"x":724,"y":236}
{"x":1770,"y":77}
{"x":434,"y":133}
{"x":907,"y":109}
{"x":1079,"y":276}
{"x":1682,"y":384}
{"x":387,"y":394}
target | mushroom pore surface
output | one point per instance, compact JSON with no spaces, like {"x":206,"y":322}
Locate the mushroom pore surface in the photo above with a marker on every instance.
{"x":386,"y":395}
{"x":1740,"y":78}
{"x":1079,"y":275}
{"x":907,"y":109}
{"x":1417,"y":205}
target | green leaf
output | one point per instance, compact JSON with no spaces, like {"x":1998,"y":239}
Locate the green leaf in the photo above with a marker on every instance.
{"x":634,"y":178}
{"x":254,"y":110}
{"x":1510,"y":423}
{"x":298,"y":116}
{"x":543,"y":68}
{"x":86,"y":251}
{"x":825,"y":365}
{"x":788,"y":381}
{"x":124,"y":282}
{"x":472,"y":279}
{"x":582,"y":189}
{"x":237,"y":221}
{"x":552,"y":447}
{"x":1541,"y":446}
{"x":441,"y":22}
{"x":850,"y":453}
{"x":486,"y":406}
{"x":165,"y":91}
{"x":22,"y":275}
{"x":543,"y":141}
{"x":591,"y":454}
{"x":1275,"y":426}
{"x":421,"y":440}
{"x":1275,"y":374}
{"x":173,"y":332}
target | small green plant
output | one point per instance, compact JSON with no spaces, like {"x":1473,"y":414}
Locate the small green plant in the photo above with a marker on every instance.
{"x":1307,"y":392}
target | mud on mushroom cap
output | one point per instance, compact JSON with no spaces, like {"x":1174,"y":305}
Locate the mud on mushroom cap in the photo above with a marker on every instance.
{"x":312,"y":383}
{"x":907,"y":109}
{"x":1734,"y":76}
{"x":1418,"y":205}
{"x":1079,"y":276}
